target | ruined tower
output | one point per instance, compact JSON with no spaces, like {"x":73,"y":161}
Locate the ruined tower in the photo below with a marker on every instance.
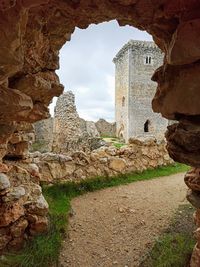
{"x":134,"y":65}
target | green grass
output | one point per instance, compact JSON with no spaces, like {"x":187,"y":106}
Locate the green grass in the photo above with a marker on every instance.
{"x":118,"y":145}
{"x":174,"y":247}
{"x":43,"y":250}
{"x":38,"y":146}
{"x":172,"y":251}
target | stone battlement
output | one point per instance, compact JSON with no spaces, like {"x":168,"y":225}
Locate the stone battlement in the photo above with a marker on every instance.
{"x":135,"y":44}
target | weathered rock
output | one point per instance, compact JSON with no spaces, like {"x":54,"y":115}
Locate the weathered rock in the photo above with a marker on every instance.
{"x":106,"y":128}
{"x":10,"y":212}
{"x":32,"y":32}
{"x":5,"y":237}
{"x":107,"y":161}
{"x":39,"y":207}
{"x":39,"y":226}
{"x":21,"y":105}
{"x":172,"y":80}
{"x":183,"y":142}
{"x":18,"y":150}
{"x":4,"y":181}
{"x":117,"y":164}
{"x":192,"y":179}
{"x":18,"y":228}
{"x":184,"y":46}
{"x":41,"y":87}
{"x":43,"y":136}
{"x":15,"y":194}
{"x":195,"y":260}
{"x":194,"y":198}
{"x":3,"y":168}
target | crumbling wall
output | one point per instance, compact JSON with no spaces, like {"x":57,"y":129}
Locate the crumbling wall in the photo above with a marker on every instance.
{"x":43,"y":135}
{"x":67,"y":131}
{"x":139,"y":155}
{"x":106,"y":128}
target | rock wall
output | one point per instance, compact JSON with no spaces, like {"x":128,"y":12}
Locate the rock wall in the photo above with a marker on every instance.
{"x":106,"y":128}
{"x":23,"y":209}
{"x":43,"y":135}
{"x":32,"y":33}
{"x":89,"y":128}
{"x":67,"y":131}
{"x":105,"y":161}
{"x":70,"y":132}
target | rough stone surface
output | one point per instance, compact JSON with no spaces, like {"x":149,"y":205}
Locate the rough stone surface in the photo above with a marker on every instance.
{"x":106,"y":128}
{"x":134,"y":90}
{"x":32,"y":33}
{"x":70,"y":132}
{"x":43,"y":135}
{"x":4,"y":181}
{"x":105,"y":161}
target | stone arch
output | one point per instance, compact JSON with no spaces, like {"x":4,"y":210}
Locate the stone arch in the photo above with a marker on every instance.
{"x":32,"y":33}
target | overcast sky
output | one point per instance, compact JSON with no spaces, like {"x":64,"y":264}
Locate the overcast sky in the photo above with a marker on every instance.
{"x":86,"y":67}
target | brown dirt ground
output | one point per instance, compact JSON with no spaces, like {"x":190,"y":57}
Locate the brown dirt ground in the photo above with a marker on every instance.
{"x":115,"y":226}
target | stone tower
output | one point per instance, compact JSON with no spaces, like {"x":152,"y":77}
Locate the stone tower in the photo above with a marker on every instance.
{"x":134,"y":65}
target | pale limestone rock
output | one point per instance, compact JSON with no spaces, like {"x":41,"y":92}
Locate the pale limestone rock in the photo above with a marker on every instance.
{"x":14,"y":194}
{"x":39,"y":207}
{"x":4,"y":181}
{"x":117,"y":164}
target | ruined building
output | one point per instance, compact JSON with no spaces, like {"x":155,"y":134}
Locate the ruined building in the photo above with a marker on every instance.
{"x":32,"y":33}
{"x":134,"y":90}
{"x":70,"y":132}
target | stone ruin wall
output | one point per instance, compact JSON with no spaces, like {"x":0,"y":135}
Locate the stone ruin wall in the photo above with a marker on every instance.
{"x":43,"y":131}
{"x":70,"y":132}
{"x":106,"y":128}
{"x":138,"y":156}
{"x":67,"y":132}
{"x":33,"y":32}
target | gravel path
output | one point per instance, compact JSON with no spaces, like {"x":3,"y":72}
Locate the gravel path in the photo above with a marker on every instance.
{"x":115,"y":226}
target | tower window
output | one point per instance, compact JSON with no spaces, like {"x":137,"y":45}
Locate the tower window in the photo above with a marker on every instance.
{"x":146,"y":126}
{"x":123,"y":101}
{"x":148,"y":60}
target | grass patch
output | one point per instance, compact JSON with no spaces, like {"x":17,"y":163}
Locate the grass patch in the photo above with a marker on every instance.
{"x":118,"y":145}
{"x":174,"y":247}
{"x":39,"y":146}
{"x":43,"y":250}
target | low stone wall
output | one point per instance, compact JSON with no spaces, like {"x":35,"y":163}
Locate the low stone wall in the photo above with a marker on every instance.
{"x":105,"y":161}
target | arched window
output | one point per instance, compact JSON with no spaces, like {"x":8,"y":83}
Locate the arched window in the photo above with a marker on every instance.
{"x":146,"y":126}
{"x":123,"y":101}
{"x":148,"y":60}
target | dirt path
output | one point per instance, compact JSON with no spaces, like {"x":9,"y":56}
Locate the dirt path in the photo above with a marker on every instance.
{"x":115,"y":226}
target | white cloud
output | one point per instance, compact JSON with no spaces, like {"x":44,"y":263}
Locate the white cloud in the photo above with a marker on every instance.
{"x":87,"y":69}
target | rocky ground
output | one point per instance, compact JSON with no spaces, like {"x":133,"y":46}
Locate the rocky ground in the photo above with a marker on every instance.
{"x":115,"y":226}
